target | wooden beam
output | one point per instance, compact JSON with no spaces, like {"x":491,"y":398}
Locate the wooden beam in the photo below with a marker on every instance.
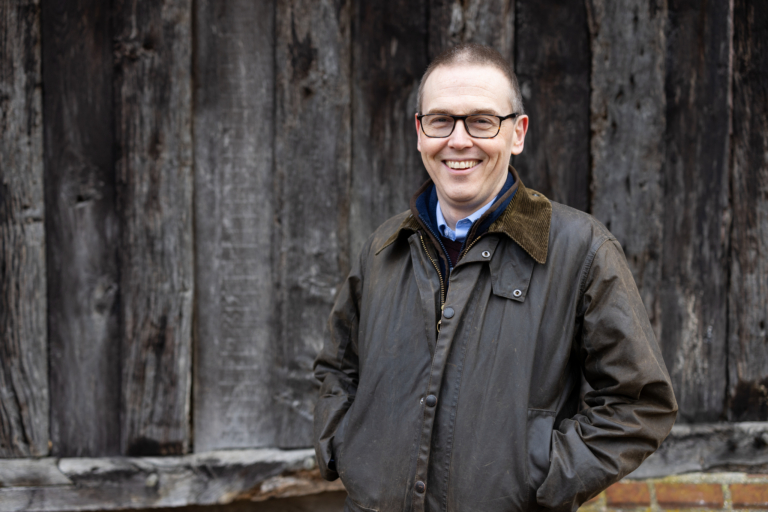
{"x":312,"y":173}
{"x":23,"y":332}
{"x":553,"y":65}
{"x":628,"y":121}
{"x":748,"y":295}
{"x":235,"y":223}
{"x":211,"y":478}
{"x":489,"y":22}
{"x":694,"y":273}
{"x":82,"y":228}
{"x":709,"y":447}
{"x":389,"y":55}
{"x":153,"y":114}
{"x":242,"y":476}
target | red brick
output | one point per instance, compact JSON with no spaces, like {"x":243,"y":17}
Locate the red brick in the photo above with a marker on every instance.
{"x":689,"y":495}
{"x":629,"y":494}
{"x":750,"y":495}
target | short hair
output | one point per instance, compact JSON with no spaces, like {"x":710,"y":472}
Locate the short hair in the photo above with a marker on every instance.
{"x":479,"y":54}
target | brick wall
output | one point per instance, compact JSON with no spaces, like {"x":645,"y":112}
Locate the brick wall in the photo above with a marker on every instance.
{"x":695,"y":491}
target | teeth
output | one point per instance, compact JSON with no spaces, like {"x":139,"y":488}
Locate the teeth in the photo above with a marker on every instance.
{"x":461,"y":164}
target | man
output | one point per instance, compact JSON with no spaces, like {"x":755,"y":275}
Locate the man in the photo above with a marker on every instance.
{"x":489,"y":350}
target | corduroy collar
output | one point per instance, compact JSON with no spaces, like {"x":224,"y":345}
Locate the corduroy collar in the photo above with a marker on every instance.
{"x":526,"y":220}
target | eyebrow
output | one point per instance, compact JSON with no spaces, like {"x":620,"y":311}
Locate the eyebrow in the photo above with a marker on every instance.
{"x":470,"y":113}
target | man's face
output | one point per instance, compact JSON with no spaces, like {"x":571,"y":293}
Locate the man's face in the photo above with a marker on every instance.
{"x":468,"y":172}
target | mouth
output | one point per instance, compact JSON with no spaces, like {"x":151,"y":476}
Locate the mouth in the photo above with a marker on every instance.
{"x":461,"y":165}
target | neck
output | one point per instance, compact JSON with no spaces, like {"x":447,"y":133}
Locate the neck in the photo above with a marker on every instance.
{"x":453,"y":212}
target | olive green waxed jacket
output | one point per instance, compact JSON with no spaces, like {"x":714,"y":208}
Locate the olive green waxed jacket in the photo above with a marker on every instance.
{"x":543,"y":385}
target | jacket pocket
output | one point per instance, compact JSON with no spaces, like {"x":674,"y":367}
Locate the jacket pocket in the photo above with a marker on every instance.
{"x":539,"y":438}
{"x":351,"y":506}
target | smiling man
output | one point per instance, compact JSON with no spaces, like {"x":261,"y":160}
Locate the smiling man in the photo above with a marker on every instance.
{"x":489,"y":350}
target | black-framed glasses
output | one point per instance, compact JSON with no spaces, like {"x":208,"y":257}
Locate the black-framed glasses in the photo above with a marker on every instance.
{"x":480,"y":126}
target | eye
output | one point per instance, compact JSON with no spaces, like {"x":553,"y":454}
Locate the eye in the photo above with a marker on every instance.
{"x":483,"y":122}
{"x":438,"y":120}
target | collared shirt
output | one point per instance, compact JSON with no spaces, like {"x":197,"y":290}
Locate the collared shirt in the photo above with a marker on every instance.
{"x":462,"y":226}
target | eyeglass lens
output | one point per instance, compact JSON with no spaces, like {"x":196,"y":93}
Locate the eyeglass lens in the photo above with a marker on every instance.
{"x":437,"y":125}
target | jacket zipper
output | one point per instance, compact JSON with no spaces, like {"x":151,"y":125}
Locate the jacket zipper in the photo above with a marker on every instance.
{"x":466,"y":249}
{"x":440,"y":276}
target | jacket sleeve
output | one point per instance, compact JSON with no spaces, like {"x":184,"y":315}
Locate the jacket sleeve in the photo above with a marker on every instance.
{"x":631,"y":406}
{"x":337,"y":369}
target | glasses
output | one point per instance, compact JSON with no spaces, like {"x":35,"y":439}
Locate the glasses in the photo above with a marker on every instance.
{"x":480,"y":126}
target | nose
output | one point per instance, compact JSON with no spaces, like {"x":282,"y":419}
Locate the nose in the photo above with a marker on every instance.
{"x":460,"y":139}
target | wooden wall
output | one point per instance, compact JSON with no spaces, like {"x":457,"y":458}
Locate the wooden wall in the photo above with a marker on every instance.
{"x":183,"y":184}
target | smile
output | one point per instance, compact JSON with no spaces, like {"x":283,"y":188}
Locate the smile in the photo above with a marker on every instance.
{"x":461,"y":164}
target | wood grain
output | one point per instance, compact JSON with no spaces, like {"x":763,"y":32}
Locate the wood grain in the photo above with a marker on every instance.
{"x":748,"y":295}
{"x":312,"y":172}
{"x":389,"y":55}
{"x":696,"y":210}
{"x":553,"y":64}
{"x":489,"y":22}
{"x":82,"y":229}
{"x":24,"y":398}
{"x":119,"y":483}
{"x":234,"y":206}
{"x":627,"y":118}
{"x":153,"y":141}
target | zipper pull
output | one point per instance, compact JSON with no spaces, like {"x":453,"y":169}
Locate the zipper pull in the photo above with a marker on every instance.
{"x":441,"y":317}
{"x":438,"y":324}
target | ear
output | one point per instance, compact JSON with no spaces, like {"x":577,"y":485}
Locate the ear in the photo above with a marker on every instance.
{"x":518,"y":137}
{"x":418,"y":131}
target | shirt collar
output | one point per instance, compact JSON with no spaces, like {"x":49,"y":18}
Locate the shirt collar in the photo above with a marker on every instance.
{"x":462,"y":225}
{"x":526,"y":220}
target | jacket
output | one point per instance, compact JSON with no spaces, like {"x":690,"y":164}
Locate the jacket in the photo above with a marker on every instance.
{"x":533,"y":383}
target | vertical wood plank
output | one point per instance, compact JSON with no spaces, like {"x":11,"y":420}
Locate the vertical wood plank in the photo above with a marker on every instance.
{"x":553,"y":65}
{"x":695,"y":179}
{"x":389,"y":55}
{"x":81,"y":229}
{"x":312,"y":164}
{"x":489,"y":22}
{"x":748,"y":296}
{"x":234,"y":139}
{"x":152,"y":96}
{"x":627,"y":110}
{"x":23,"y":344}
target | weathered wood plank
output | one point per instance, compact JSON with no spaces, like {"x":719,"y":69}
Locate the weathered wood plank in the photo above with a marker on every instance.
{"x":748,"y":295}
{"x":234,"y":140}
{"x":480,"y":21}
{"x":695,"y":198}
{"x":31,"y":473}
{"x":627,"y":110}
{"x":23,"y":331}
{"x":152,"y":97}
{"x":81,"y":228}
{"x":211,"y":478}
{"x":553,"y":65}
{"x":389,"y":42}
{"x":312,"y":166}
{"x":709,"y":447}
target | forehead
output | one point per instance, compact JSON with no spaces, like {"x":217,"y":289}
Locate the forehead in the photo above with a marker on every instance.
{"x":466,"y":88}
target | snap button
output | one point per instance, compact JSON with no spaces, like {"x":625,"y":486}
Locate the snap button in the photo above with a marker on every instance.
{"x":486,"y":254}
{"x":517,"y":293}
{"x":420,"y":487}
{"x":448,"y":313}
{"x":431,"y":401}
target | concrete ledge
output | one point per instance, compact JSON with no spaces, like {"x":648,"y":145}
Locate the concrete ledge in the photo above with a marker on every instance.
{"x":210,"y":478}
